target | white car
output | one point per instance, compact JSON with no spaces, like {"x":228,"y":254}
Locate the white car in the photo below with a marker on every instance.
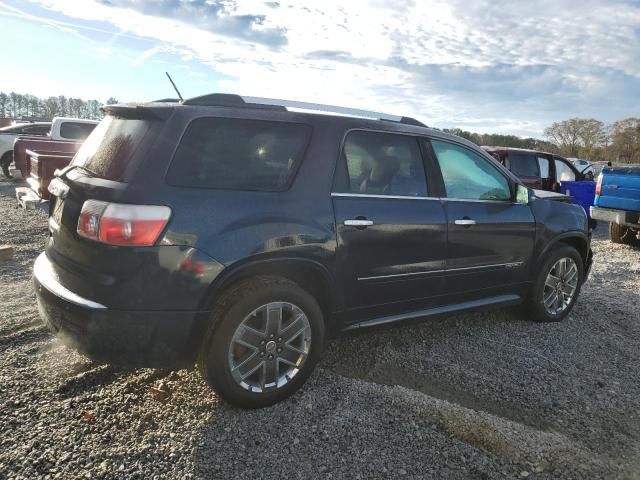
{"x":60,"y":128}
{"x":583,"y":166}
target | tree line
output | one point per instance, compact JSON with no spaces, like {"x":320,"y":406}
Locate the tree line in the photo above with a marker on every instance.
{"x":586,"y":138}
{"x":591,"y":139}
{"x":498,"y":140}
{"x":27,"y":107}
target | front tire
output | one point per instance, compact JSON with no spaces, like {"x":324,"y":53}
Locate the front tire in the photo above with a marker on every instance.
{"x":267,"y":336}
{"x":5,"y":162}
{"x":556,"y":286}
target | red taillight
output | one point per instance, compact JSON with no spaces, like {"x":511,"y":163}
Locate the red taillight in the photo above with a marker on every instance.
{"x":599,"y":185}
{"x":121,"y":224}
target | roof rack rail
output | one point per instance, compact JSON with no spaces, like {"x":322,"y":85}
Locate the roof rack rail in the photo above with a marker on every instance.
{"x":232,"y":100}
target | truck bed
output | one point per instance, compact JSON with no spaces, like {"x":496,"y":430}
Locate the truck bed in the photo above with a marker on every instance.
{"x":39,"y":145}
{"x":620,"y":189}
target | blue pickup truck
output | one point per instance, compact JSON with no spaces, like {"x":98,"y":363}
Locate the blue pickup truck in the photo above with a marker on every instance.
{"x":617,"y":201}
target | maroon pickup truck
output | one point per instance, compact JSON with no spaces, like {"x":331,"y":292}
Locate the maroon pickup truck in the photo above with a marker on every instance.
{"x":538,"y":170}
{"x":38,"y":158}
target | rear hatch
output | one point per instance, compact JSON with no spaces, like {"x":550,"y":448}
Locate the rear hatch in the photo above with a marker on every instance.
{"x":104,"y":169}
{"x":620,"y":189}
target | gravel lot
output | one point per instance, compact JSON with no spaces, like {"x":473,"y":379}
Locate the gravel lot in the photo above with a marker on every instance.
{"x":480,"y":395}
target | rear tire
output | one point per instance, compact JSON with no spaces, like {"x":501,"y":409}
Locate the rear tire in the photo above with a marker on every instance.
{"x":251,"y":366}
{"x":621,"y":234}
{"x":550,"y":282}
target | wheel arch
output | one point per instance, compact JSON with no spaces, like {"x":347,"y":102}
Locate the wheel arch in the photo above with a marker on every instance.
{"x":309,"y":274}
{"x":577,"y":240}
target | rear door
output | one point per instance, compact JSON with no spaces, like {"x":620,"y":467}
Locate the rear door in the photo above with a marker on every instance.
{"x":490,"y":237}
{"x":546,"y":172}
{"x":391,"y":232}
{"x":565,"y":172}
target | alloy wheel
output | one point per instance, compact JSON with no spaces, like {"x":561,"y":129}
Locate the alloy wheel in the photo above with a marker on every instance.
{"x":560,"y":286}
{"x":269,"y":347}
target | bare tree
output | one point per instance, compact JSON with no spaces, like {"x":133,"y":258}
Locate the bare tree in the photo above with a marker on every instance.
{"x":566,"y":135}
{"x":625,"y":140}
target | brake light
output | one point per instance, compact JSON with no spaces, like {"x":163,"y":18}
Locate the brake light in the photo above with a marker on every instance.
{"x":599,"y":185}
{"x":122,"y":224}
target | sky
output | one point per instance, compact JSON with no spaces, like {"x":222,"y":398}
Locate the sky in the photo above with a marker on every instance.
{"x":489,"y":66}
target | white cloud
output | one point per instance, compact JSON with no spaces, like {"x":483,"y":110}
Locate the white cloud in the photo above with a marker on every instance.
{"x":508,"y":66}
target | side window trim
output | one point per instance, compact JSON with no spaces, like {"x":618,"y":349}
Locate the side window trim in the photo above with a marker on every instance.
{"x":341,"y":173}
{"x":444,"y":196}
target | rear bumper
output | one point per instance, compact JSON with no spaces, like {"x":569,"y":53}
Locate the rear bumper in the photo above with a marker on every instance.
{"x":621,"y":217}
{"x":155,"y":339}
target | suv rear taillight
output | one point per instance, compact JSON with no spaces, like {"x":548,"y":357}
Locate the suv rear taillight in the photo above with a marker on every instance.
{"x":599,"y":185}
{"x":122,"y":224}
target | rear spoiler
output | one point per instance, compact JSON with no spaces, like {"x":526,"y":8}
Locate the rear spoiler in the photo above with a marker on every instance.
{"x":137,"y":111}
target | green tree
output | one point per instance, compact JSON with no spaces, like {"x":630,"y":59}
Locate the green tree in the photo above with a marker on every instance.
{"x":4,"y":103}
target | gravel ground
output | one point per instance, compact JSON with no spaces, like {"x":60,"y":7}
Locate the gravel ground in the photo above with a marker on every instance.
{"x":478,"y":395}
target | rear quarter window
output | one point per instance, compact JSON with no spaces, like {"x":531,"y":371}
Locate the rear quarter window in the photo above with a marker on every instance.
{"x":76,"y":130}
{"x":238,"y":154}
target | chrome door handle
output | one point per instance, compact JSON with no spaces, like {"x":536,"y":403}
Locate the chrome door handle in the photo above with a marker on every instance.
{"x":358,"y":223}
{"x":465,"y":221}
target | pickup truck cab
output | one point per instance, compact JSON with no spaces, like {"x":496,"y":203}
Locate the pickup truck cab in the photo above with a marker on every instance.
{"x":617,"y":201}
{"x":59,"y":129}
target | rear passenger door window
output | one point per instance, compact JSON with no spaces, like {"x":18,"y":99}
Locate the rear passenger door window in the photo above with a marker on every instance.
{"x":384,"y":164}
{"x":564,"y":173}
{"x":238,"y":154}
{"x":469,"y":176}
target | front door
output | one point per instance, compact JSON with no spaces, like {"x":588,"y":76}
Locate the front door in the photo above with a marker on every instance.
{"x":391,"y":234}
{"x":490,"y":237}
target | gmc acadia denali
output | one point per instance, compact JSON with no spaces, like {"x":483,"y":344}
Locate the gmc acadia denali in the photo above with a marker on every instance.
{"x":239,"y":233}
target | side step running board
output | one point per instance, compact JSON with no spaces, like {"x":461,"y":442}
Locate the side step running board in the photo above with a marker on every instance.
{"x":500,"y":300}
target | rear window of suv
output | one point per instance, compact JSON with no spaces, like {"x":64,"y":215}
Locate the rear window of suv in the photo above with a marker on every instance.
{"x":238,"y":154}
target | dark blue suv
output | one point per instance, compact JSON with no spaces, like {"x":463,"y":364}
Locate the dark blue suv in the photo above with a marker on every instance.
{"x":238,"y":234}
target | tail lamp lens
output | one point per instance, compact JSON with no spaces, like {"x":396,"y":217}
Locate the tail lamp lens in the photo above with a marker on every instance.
{"x":122,"y":224}
{"x":599,"y":185}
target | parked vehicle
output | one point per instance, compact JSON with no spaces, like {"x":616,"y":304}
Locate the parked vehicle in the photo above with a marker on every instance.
{"x":239,"y":234}
{"x":584,"y":166}
{"x":539,"y":170}
{"x":43,"y":144}
{"x":61,"y":129}
{"x":547,"y":171}
{"x":618,"y":202}
{"x":10,"y":133}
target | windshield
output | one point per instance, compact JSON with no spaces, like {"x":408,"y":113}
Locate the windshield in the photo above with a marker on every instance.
{"x":107,"y":150}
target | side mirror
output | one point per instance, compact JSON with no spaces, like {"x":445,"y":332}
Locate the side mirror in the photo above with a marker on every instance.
{"x":522,"y":194}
